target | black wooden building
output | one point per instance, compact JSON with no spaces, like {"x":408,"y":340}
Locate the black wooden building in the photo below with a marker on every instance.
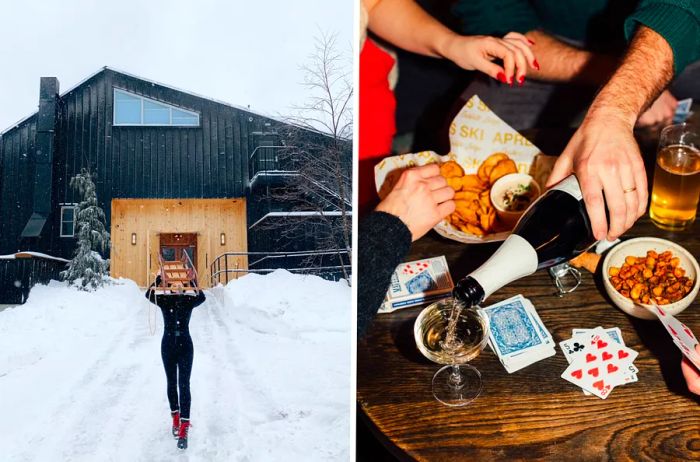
{"x":154,"y":150}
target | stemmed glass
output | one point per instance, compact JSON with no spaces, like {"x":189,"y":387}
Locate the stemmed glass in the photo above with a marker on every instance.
{"x":450,"y":333}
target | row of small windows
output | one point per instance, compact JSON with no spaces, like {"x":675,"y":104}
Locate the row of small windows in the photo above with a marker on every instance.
{"x":131,"y":109}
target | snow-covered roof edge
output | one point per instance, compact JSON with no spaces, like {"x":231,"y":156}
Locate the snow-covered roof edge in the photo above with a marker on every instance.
{"x":13,"y":256}
{"x":301,"y":213}
{"x":133,"y":76}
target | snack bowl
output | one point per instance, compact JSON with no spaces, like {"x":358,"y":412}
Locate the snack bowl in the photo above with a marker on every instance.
{"x":513,"y":185}
{"x":638,"y":247}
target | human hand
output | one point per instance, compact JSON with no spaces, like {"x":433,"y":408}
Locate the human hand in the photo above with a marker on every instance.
{"x":421,"y":198}
{"x":605,"y":158}
{"x":691,"y":374}
{"x":660,"y":112}
{"x":476,"y":52}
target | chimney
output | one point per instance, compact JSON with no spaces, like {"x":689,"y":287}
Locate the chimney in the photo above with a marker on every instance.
{"x":43,"y":157}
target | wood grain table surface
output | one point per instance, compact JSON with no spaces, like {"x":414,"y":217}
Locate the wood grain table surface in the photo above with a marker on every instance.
{"x":533,"y":414}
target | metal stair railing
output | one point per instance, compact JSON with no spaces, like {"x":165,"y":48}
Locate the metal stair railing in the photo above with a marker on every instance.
{"x":222,"y":270}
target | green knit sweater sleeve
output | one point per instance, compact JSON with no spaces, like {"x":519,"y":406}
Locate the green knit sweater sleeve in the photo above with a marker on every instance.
{"x":495,"y":18}
{"x":678,"y":21}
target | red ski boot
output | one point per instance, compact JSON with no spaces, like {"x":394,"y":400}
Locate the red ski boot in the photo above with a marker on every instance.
{"x":182,"y":435}
{"x":176,"y":423}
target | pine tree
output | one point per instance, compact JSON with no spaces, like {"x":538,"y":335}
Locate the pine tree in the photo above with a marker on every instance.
{"x":88,"y":267}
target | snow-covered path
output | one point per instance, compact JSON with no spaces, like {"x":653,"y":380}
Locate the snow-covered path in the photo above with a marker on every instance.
{"x":81,"y":376}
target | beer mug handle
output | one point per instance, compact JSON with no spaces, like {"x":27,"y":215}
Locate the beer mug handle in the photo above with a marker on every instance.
{"x":560,"y":273}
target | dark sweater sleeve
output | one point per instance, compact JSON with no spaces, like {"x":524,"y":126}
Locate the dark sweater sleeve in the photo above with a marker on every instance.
{"x":677,"y":21}
{"x":199,"y":299}
{"x":150,"y":293}
{"x":383,"y":241}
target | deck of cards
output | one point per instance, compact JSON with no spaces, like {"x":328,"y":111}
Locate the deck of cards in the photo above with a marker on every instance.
{"x":598,"y":360}
{"x":681,"y":334}
{"x":517,"y":334}
{"x":418,"y":282}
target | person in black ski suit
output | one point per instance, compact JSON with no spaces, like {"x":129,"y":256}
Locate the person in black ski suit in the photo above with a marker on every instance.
{"x":177,"y":352}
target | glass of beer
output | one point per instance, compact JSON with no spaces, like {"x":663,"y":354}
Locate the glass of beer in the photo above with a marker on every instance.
{"x":674,"y":196}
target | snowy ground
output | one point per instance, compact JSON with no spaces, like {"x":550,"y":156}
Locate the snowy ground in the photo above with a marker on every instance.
{"x":81,"y":377}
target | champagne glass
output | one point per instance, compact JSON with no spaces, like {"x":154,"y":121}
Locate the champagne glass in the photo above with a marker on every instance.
{"x":450,"y":333}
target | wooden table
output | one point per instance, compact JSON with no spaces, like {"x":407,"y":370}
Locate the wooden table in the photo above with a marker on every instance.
{"x":532,"y":414}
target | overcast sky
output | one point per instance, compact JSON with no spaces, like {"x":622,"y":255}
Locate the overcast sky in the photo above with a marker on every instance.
{"x":241,"y":52}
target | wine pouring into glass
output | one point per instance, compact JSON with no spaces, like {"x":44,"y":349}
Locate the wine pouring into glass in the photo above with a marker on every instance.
{"x":450,"y":333}
{"x":554,"y":229}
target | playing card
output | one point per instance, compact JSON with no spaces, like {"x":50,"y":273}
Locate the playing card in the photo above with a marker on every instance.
{"x":587,"y":373}
{"x":689,"y":353}
{"x":512,"y":329}
{"x":682,"y":110}
{"x":421,"y":282}
{"x":601,"y":365}
{"x":684,"y":105}
{"x":418,"y":282}
{"x":578,"y":344}
{"x":682,"y":336}
{"x":611,"y":351}
{"x":517,"y":334}
{"x":415,"y":268}
{"x":544,"y":333}
{"x":517,"y":363}
{"x":614,"y":332}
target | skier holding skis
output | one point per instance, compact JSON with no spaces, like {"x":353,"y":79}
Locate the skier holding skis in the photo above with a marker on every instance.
{"x":176,"y":349}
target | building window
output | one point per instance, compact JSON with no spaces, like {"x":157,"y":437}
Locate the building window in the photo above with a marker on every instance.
{"x":131,"y":109}
{"x":68,"y":220}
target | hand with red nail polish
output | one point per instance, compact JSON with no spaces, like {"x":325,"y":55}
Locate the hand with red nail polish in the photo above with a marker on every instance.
{"x":479,"y":53}
{"x":404,"y":24}
{"x":524,"y":45}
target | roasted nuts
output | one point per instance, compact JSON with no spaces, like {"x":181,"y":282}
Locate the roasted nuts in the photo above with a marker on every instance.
{"x":656,"y":278}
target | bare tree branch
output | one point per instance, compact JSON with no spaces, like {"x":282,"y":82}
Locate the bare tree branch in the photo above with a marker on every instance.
{"x":323,"y":164}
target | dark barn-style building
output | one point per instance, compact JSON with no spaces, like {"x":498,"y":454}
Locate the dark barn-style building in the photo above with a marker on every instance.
{"x":173,"y":174}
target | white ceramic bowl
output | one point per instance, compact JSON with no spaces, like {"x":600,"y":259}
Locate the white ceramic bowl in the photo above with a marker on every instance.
{"x":638,"y":247}
{"x":499,"y":188}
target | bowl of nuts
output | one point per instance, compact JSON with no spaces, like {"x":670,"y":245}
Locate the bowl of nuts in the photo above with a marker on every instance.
{"x":644,"y":271}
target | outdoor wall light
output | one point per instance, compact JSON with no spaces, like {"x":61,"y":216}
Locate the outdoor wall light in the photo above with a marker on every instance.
{"x":133,"y":238}
{"x":222,"y":239}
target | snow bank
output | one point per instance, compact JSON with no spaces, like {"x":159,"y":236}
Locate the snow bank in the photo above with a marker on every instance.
{"x":81,"y":376}
{"x":297,"y":362}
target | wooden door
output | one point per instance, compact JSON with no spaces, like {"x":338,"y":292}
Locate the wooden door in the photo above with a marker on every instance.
{"x":173,"y":245}
{"x":141,"y":227}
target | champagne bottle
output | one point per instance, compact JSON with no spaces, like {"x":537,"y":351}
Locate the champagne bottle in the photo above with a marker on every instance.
{"x":554,"y":229}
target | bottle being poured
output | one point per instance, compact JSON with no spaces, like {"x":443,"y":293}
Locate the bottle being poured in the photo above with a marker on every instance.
{"x":554,"y":229}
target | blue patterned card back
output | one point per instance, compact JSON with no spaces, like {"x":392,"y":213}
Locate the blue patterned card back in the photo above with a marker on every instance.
{"x":512,"y":329}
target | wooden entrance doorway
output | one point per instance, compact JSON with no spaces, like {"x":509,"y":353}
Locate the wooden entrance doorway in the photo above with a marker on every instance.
{"x":202,"y":228}
{"x":173,"y":245}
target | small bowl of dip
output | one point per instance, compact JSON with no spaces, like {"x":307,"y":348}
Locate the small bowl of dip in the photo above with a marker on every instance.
{"x":511,"y":195}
